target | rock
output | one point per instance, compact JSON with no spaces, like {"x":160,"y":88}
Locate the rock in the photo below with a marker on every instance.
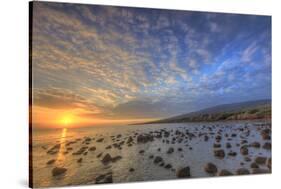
{"x":233,"y":135}
{"x":99,"y":155}
{"x":242,"y":171}
{"x":168,"y":166}
{"x":267,"y":146}
{"x":269,"y":163}
{"x":58,"y":171}
{"x":131,"y":170}
{"x":145,"y":138}
{"x":228,"y":145}
{"x":170,"y":150}
{"x":206,"y":138}
{"x":255,"y":145}
{"x":161,"y":164}
{"x":211,"y":168}
{"x":254,"y":165}
{"x":158,"y":159}
{"x":106,"y":178}
{"x":260,"y":160}
{"x":260,"y":171}
{"x":266,"y":134}
{"x":93,"y":148}
{"x":100,"y":140}
{"x":217,"y":145}
{"x":141,"y":151}
{"x":184,"y":173}
{"x":179,"y":149}
{"x":130,"y":140}
{"x":51,"y":161}
{"x":81,"y":150}
{"x":219,"y":153}
{"x":247,"y":159}
{"x":225,"y":172}
{"x":232,"y":153}
{"x":79,"y":160}
{"x":106,"y":159}
{"x":108,"y":147}
{"x":151,"y":157}
{"x":244,"y":150}
{"x":159,"y":149}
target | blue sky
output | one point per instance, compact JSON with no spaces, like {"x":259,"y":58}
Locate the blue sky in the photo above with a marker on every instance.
{"x":130,"y":63}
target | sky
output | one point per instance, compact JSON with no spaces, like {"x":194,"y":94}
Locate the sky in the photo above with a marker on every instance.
{"x":102,"y":65}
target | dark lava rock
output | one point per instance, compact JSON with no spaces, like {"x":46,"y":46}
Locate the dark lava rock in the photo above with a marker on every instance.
{"x":93,"y":148}
{"x":131,"y":170}
{"x":106,"y":159}
{"x":99,"y":155}
{"x":161,"y":164}
{"x":81,"y":150}
{"x":58,"y":171}
{"x":260,"y":171}
{"x":184,"y":173}
{"x":254,"y":165}
{"x":255,"y":145}
{"x":179,"y":149}
{"x":242,"y":171}
{"x":108,"y":147}
{"x":100,"y":140}
{"x":158,"y":159}
{"x":232,"y":153}
{"x":225,"y":172}
{"x":51,"y":161}
{"x":244,"y":150}
{"x":267,"y":146}
{"x":106,"y":178}
{"x":211,"y":168}
{"x":206,"y":138}
{"x":145,"y":138}
{"x":269,"y":162}
{"x":151,"y":157}
{"x":219,"y":153}
{"x":266,"y":134}
{"x":217,"y":145}
{"x":260,"y":160}
{"x":168,"y":166}
{"x":141,"y":151}
{"x":170,"y":150}
{"x":159,"y":149}
{"x":228,"y":145}
{"x":79,"y":160}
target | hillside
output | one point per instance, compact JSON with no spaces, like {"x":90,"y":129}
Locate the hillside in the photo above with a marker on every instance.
{"x":259,"y":109}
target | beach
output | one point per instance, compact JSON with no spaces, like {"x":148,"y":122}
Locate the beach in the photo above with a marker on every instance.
{"x":132,"y":153}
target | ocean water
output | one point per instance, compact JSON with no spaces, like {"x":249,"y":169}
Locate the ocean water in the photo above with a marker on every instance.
{"x":196,"y":152}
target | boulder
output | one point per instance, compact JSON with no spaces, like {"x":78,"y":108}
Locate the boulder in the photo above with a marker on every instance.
{"x":184,"y":173}
{"x":260,"y":160}
{"x":244,"y":150}
{"x":242,"y":171}
{"x":267,"y":146}
{"x":170,"y":150}
{"x":219,"y":153}
{"x":225,"y":172}
{"x":158,"y":159}
{"x":58,"y":171}
{"x":51,"y":161}
{"x":260,"y":171}
{"x":211,"y":168}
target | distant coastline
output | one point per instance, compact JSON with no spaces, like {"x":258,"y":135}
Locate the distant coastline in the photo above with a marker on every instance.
{"x":250,"y":110}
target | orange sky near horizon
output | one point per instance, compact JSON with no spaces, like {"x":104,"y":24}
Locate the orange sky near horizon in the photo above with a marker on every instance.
{"x":71,"y":118}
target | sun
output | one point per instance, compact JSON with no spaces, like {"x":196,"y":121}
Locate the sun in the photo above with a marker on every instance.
{"x":66,"y":120}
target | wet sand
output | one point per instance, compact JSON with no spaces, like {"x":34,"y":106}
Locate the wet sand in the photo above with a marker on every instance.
{"x":151,"y":152}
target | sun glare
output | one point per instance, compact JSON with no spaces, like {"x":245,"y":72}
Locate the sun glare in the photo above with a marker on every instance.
{"x":66,"y":120}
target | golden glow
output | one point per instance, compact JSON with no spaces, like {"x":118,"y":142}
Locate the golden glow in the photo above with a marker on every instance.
{"x":61,"y":157}
{"x":66,"y":120}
